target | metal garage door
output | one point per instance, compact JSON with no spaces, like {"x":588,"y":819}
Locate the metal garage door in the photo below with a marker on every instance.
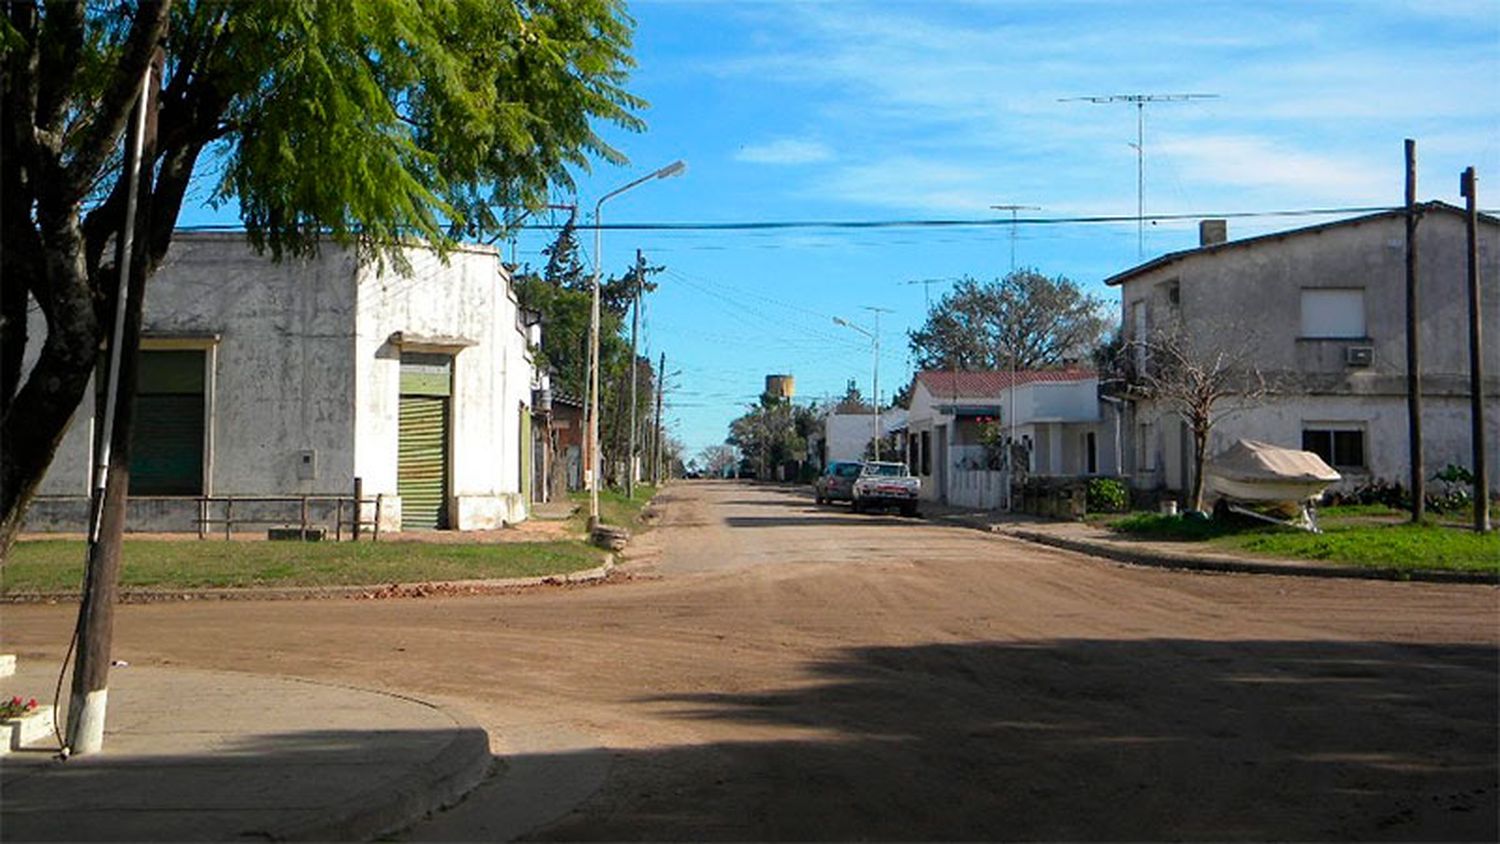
{"x":422,"y":452}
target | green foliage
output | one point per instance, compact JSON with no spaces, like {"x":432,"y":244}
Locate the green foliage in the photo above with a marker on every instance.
{"x":771,"y":433}
{"x":978,"y":325}
{"x":1107,"y":495}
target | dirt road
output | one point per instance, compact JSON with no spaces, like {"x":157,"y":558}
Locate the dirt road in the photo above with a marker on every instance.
{"x":776,"y":670}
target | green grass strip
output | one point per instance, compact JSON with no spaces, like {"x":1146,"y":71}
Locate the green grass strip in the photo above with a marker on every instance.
{"x":50,"y":565}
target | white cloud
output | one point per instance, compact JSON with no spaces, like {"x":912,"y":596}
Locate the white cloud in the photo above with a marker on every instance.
{"x":785,"y":151}
{"x":1259,"y":164}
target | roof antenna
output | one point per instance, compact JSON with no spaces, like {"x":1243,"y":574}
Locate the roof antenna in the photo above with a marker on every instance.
{"x":1140,"y":101}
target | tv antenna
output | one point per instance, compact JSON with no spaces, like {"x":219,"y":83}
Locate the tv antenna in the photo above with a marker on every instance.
{"x":927,"y":284}
{"x":1013,"y":209}
{"x":1140,"y":101}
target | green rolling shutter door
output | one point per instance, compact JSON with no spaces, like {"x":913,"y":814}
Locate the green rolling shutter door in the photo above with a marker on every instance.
{"x":422,"y":453}
{"x":166,"y":439}
{"x":421,"y":467}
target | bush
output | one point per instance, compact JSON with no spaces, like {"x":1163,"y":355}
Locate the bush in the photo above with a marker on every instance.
{"x":1107,"y":495}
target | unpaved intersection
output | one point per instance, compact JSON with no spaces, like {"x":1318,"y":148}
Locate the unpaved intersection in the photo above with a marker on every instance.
{"x":777,"y":670}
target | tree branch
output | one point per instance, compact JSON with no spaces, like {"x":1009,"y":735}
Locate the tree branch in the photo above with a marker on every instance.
{"x":113,"y":108}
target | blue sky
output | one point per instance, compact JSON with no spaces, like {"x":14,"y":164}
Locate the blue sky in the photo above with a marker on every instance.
{"x":938,"y":110}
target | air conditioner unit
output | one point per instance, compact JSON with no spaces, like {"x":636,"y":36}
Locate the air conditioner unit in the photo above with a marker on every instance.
{"x":1359,"y":355}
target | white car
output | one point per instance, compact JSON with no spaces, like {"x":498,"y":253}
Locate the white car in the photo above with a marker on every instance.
{"x":886,"y":485}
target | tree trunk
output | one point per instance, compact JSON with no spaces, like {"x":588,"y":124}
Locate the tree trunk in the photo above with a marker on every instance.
{"x":1200,"y":449}
{"x":36,"y":420}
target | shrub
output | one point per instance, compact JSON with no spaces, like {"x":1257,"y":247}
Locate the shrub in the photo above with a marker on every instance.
{"x":1107,"y":495}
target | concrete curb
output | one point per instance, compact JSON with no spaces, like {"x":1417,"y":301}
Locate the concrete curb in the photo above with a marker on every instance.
{"x":418,"y":589}
{"x":437,"y":783}
{"x":1193,"y":562}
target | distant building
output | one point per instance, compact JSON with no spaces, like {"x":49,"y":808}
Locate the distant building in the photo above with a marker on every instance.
{"x":1326,"y":307}
{"x":1057,"y":429}
{"x":260,"y":378}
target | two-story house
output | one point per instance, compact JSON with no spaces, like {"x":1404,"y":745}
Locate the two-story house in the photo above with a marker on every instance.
{"x":1321,"y":311}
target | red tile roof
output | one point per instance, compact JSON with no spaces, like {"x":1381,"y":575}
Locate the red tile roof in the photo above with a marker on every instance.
{"x":950,"y":384}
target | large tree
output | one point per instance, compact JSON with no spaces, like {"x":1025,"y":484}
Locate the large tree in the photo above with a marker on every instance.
{"x":1042,"y":321}
{"x":358,"y":124}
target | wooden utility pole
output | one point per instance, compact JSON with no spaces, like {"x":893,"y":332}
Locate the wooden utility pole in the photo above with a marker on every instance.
{"x":1468,"y":186}
{"x":635,"y":368}
{"x":661,"y":386}
{"x":88,"y":702}
{"x":1413,"y":343}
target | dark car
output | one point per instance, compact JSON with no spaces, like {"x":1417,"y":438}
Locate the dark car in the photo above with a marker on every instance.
{"x":837,"y":481}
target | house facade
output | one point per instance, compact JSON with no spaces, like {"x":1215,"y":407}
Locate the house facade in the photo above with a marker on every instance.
{"x":1053,"y":419}
{"x":1324,"y":310}
{"x":260,"y":378}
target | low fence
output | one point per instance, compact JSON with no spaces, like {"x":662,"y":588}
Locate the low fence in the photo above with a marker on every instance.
{"x":307,"y":514}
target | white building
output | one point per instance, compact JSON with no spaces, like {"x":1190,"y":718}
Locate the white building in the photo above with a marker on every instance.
{"x":260,"y":378}
{"x":1325,"y":306}
{"x":1053,"y":415}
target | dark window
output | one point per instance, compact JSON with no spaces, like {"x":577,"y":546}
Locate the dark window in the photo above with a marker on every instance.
{"x":166,"y":440}
{"x":1338,"y":448}
{"x":926,"y":452}
{"x":1091,"y":450}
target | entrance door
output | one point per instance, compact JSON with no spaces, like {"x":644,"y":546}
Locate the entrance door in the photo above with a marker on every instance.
{"x":422,"y":452}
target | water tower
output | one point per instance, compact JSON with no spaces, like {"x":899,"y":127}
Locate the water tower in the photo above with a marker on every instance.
{"x":781,"y":387}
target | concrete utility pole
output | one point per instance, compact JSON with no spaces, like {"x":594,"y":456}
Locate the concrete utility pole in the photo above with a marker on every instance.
{"x":1140,"y":101}
{"x":1468,"y":186}
{"x":89,"y":692}
{"x":661,"y":386}
{"x":875,"y":341}
{"x":1413,"y":343}
{"x":591,"y":449}
{"x":635,"y":327}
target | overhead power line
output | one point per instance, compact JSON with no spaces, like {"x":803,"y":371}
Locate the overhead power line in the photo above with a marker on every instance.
{"x":984,"y":222}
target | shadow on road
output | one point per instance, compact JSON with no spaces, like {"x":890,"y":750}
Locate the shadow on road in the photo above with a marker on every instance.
{"x":1084,"y":739}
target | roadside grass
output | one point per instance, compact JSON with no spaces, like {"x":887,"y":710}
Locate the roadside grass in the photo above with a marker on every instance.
{"x":1348,"y":538}
{"x":51,"y":565}
{"x":615,"y":508}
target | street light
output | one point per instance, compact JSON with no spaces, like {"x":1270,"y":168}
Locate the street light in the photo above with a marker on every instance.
{"x":673,"y":169}
{"x":874,"y":339}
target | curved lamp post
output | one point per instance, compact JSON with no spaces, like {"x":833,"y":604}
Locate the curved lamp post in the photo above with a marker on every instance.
{"x":676,"y":168}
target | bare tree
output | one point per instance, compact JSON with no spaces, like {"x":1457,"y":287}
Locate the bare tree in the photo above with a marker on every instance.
{"x":717,"y":459}
{"x":1205,"y":374}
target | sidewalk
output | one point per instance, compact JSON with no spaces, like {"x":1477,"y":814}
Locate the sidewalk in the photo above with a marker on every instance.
{"x":1090,"y":539}
{"x":199,"y":755}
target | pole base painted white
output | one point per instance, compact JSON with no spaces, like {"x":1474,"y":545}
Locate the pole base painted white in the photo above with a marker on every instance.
{"x":86,"y":722}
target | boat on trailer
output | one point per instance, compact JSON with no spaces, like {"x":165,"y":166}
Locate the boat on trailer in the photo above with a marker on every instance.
{"x":1286,"y":481}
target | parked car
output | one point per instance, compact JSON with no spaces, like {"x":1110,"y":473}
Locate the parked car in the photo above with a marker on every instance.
{"x":837,"y":481}
{"x":886,"y":485}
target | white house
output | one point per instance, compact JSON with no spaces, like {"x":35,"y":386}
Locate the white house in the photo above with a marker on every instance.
{"x":260,"y":378}
{"x":1053,"y":416}
{"x":1325,"y":306}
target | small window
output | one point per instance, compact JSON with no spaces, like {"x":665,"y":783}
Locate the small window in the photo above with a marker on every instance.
{"x":927,"y":452}
{"x":1333,"y":312}
{"x":1341,"y":447}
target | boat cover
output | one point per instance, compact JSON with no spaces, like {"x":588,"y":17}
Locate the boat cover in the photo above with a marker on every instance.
{"x":1254,"y":461}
